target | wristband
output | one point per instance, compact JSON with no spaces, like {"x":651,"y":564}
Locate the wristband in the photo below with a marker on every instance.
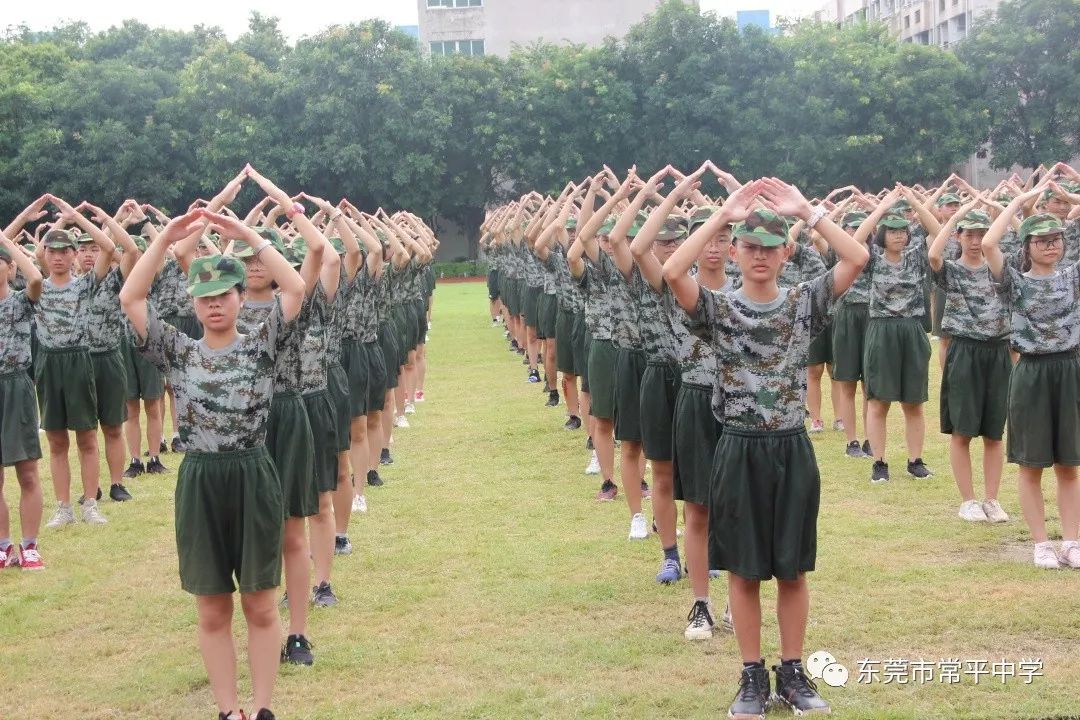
{"x":815,"y":217}
{"x":262,"y":246}
{"x":296,"y":209}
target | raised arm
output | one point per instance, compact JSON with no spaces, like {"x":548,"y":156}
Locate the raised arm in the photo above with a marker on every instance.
{"x":936,"y":253}
{"x":991,"y":242}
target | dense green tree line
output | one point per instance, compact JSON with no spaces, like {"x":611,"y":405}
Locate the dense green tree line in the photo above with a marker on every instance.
{"x":357,"y":110}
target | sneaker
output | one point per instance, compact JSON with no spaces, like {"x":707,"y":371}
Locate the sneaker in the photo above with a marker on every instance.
{"x":917,"y":469}
{"x":513,"y":345}
{"x":264,"y":714}
{"x":972,"y":511}
{"x":725,"y":620}
{"x":866,"y":449}
{"x":701,"y":622}
{"x":608,"y":492}
{"x":645,"y":492}
{"x":384,"y":457}
{"x":534,"y":376}
{"x":1046,"y":557}
{"x":359,"y":504}
{"x":797,"y":691}
{"x":322,"y":596}
{"x":232,"y":715}
{"x":838,"y":425}
{"x":419,"y":396}
{"x":752,"y":700}
{"x":817,"y":426}
{"x":119,"y":493}
{"x":1069,"y":556}
{"x":880,"y":473}
{"x":410,"y":409}
{"x":854,"y":450}
{"x":401,"y":422}
{"x":373,"y":478}
{"x":342,"y":545}
{"x":553,"y":399}
{"x":297,"y":651}
{"x":994,"y":512}
{"x":639,"y":529}
{"x":31,"y":558}
{"x":177,"y":445}
{"x":572,"y":423}
{"x":163,"y":448}
{"x":64,"y":515}
{"x":154,"y":467}
{"x":589,"y":443}
{"x":91,"y":515}
{"x":593,"y":467}
{"x":135,"y":469}
{"x":669,"y":572}
{"x":9,"y":558}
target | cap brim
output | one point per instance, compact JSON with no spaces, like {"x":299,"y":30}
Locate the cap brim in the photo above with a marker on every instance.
{"x":894,"y":224}
{"x":972,"y":226}
{"x":765,"y":240}
{"x":210,"y":289}
{"x":59,"y":246}
{"x":1050,"y":231}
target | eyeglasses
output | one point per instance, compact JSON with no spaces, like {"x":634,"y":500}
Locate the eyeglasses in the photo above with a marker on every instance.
{"x":1045,"y":243}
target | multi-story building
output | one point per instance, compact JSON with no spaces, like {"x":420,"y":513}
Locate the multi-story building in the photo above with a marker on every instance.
{"x":478,"y":27}
{"x":927,"y":22}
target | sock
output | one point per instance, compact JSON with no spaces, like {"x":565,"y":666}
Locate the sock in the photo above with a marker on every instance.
{"x":27,"y":542}
{"x":672,"y":553}
{"x":341,"y":536}
{"x":136,"y":460}
{"x":760,"y":664}
{"x":705,"y":600}
{"x":788,"y":663}
{"x":5,"y":543}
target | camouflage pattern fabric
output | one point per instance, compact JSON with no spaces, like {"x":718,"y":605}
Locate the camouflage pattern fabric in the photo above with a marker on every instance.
{"x":253,"y":314}
{"x":61,"y":312}
{"x":169,"y":291}
{"x":972,"y":307}
{"x":896,"y":290}
{"x":1043,"y":310}
{"x":314,"y":360}
{"x":16,"y":315}
{"x":105,"y":318}
{"x":697,"y":361}
{"x":599,"y":308}
{"x":1072,"y":243}
{"x":804,"y":265}
{"x":571,"y":298}
{"x":656,"y":332}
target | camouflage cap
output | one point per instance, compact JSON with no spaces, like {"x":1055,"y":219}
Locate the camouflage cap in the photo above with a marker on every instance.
{"x":4,"y":254}
{"x":1042,"y":224}
{"x":294,"y":257}
{"x":338,"y":245}
{"x":214,"y":275}
{"x":59,"y":240}
{"x":949,"y":199}
{"x":975,"y":220}
{"x":271,"y":234}
{"x":241,"y":249}
{"x":607,"y":227}
{"x":674,"y":228}
{"x":84,"y":239}
{"x":701,"y":214}
{"x":894,"y":222}
{"x":1004,"y":198}
{"x":759,"y":236}
{"x":853,"y":219}
{"x":139,"y":240}
{"x":571,"y":223}
{"x":901,"y":205}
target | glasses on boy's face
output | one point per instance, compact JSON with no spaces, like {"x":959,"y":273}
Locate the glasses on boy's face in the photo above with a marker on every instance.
{"x":1045,"y":243}
{"x":671,"y":243}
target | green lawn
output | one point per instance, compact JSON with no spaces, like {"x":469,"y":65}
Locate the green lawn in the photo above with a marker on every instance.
{"x":487,"y":583}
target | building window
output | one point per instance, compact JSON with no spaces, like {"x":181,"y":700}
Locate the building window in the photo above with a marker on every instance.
{"x":454,"y":3}
{"x":918,"y":16}
{"x":907,"y":21}
{"x":941,"y":5}
{"x":458,"y":47}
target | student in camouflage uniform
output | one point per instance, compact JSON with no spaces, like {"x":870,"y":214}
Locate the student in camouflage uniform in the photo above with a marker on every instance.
{"x":19,"y":444}
{"x":897,"y":352}
{"x":1044,"y":417}
{"x":547,"y":305}
{"x":65,"y":371}
{"x":975,"y":381}
{"x":766,"y":487}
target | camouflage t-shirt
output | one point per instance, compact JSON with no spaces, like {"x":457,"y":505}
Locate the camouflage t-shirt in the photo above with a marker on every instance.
{"x":361,"y":311}
{"x":1072,"y":243}
{"x":656,"y":331}
{"x":534,"y":272}
{"x":335,"y":320}
{"x":287,"y":371}
{"x":222,"y":396}
{"x":105,"y":318}
{"x":697,"y":362}
{"x":1012,"y":249}
{"x":551,"y":278}
{"x":16,"y":314}
{"x":896,"y":289}
{"x":571,"y":298}
{"x":1043,"y":309}
{"x":761,"y":351}
{"x":61,"y":312}
{"x":313,"y":357}
{"x":626,"y":330}
{"x":253,"y":313}
{"x":804,"y":265}
{"x":859,"y":292}
{"x":169,"y":291}
{"x":599,"y":304}
{"x":972,"y":307}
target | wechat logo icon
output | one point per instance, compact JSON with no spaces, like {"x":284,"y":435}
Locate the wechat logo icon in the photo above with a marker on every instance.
{"x":823,"y":666}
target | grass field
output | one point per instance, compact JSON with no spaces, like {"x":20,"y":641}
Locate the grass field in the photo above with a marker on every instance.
{"x":487,"y":583}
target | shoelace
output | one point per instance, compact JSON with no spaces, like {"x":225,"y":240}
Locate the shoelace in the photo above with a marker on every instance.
{"x":670,"y":564}
{"x":30,"y":556}
{"x":750,"y":686}
{"x":804,"y":686}
{"x":699,"y":614}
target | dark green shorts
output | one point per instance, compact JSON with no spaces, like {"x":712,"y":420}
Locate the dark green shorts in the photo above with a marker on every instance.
{"x":532,"y":305}
{"x":291,"y":447}
{"x":337,"y":387}
{"x":764,"y":504}
{"x":659,"y":387}
{"x":19,"y":439}
{"x":820,"y":352}
{"x":405,"y":332}
{"x":849,"y":342}
{"x":975,"y":388}
{"x":1044,"y":412}
{"x":187,"y":324}
{"x":493,"y":284}
{"x":510,"y":296}
{"x":110,"y":382}
{"x":322,"y":417}
{"x":547,"y":310}
{"x":229,"y":522}
{"x":565,"y":324}
{"x":581,"y":345}
{"x":896,"y":360}
{"x":388,"y":342}
{"x":65,"y":389}
{"x":366,"y":369}
{"x":939,"y":311}
{"x":419,"y":308}
{"x":629,"y":369}
{"x":695,"y":431}
{"x":144,"y":381}
{"x":602,"y":379}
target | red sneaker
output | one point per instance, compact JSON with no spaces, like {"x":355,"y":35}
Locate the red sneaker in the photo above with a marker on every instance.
{"x":608,"y":492}
{"x":419,"y":396}
{"x":9,"y":558}
{"x":31,"y":558}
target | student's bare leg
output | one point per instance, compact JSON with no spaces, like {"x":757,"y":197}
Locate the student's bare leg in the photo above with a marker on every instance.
{"x":792,"y":610}
{"x":696,"y":544}
{"x":834,"y":396}
{"x":172,"y":409}
{"x":358,"y":453}
{"x":343,"y":495}
{"x":960,"y":460}
{"x":264,"y":643}
{"x":570,"y":392}
{"x":374,"y":438}
{"x":630,"y":467}
{"x":218,"y":650}
{"x":744,"y":598}
{"x":1068,"y":498}
{"x":914,"y":429}
{"x":813,"y":390}
{"x":321,"y":527}
{"x":532,"y":351}
{"x":663,"y":501}
{"x":5,"y":516}
{"x":421,"y":367}
{"x":387,"y":419}
{"x":1031,"y":502}
{"x":993,"y":466}
{"x":133,"y":430}
{"x":845,"y":399}
{"x":297,"y":574}
{"x":30,"y":498}
{"x":114,"y":451}
{"x":410,"y":377}
{"x":604,"y":442}
{"x":86,"y":440}
{"x":154,"y":427}
{"x":59,"y":467}
{"x":550,"y":371}
{"x":877,"y":417}
{"x":943,"y":350}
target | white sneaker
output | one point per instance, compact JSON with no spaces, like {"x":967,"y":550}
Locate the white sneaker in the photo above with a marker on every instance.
{"x":401,"y":422}
{"x":359,"y":504}
{"x":701,"y":623}
{"x":972,"y":511}
{"x":1046,"y":557}
{"x":838,"y":425}
{"x":639,"y":529}
{"x":90,"y":513}
{"x":594,"y":465}
{"x":993,"y":511}
{"x":64,"y":515}
{"x":1070,"y":556}
{"x":409,"y":408}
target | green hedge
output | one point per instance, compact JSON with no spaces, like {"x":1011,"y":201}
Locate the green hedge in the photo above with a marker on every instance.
{"x":461,"y":268}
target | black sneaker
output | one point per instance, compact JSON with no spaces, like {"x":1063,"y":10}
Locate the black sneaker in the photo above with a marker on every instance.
{"x":154,"y":467}
{"x":797,"y":691}
{"x":163,"y":448}
{"x":230,"y":715}
{"x":880,"y":473}
{"x":264,"y":714}
{"x":534,"y":376}
{"x":135,"y":469}
{"x":119,"y":493}
{"x":373,"y":478}
{"x":917,"y":469}
{"x":573,"y":423}
{"x":384,"y":457}
{"x":178,"y":446}
{"x":866,"y":449}
{"x":854,"y":450}
{"x":342,"y":545}
{"x":322,"y":596}
{"x":297,"y":651}
{"x":553,"y":399}
{"x":752,"y":700}
{"x":513,"y":346}
{"x":589,"y":444}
